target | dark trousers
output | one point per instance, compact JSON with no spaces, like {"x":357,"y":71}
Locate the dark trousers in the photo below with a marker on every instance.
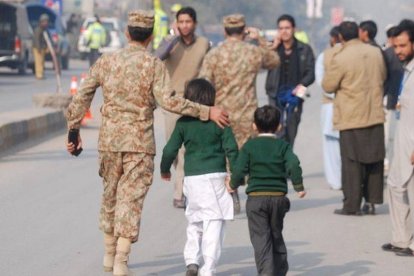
{"x":362,"y":156}
{"x":290,"y":121}
{"x":93,"y":56}
{"x":361,"y":180}
{"x":265,"y":218}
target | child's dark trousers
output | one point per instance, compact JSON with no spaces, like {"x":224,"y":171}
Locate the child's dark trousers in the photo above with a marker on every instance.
{"x":265,"y":217}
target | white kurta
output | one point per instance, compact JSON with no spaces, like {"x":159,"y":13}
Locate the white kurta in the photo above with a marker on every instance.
{"x":207,"y":198}
{"x":208,"y":206}
{"x":401,"y":175}
{"x":401,"y":168}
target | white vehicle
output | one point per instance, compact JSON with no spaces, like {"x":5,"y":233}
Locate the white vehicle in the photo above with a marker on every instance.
{"x":113,"y":27}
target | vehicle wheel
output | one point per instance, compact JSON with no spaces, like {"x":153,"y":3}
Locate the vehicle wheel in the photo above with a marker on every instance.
{"x":65,"y":63}
{"x":21,"y":69}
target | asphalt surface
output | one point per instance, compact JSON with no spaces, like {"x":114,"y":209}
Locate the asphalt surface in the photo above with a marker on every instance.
{"x":49,"y":206}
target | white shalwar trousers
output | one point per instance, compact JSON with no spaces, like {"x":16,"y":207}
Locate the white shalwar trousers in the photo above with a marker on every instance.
{"x":208,"y":206}
{"x":205,"y":239}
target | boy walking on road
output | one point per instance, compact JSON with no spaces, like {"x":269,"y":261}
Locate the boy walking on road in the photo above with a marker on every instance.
{"x":268,"y":161}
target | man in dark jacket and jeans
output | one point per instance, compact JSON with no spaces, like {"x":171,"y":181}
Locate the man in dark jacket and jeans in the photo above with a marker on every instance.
{"x":286,"y":85}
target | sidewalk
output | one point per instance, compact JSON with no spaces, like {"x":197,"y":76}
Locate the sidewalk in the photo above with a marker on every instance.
{"x":24,"y":125}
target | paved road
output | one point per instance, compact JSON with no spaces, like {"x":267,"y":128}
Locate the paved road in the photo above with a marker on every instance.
{"x":49,"y":204}
{"x":16,"y":91}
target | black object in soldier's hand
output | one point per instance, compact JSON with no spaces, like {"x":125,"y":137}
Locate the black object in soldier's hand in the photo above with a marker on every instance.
{"x":73,"y":138}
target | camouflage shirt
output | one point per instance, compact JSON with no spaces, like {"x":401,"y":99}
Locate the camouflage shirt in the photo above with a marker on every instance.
{"x":132,"y":81}
{"x":232,"y":67}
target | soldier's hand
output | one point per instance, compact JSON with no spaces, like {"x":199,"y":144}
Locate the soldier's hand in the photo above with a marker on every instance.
{"x":166,"y":176}
{"x":70,"y":147}
{"x":253,"y":32}
{"x":219,"y":116}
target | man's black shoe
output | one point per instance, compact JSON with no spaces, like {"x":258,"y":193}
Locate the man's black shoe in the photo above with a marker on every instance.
{"x":391,"y":248}
{"x":192,"y":270}
{"x":346,"y":213}
{"x":407,"y":252}
{"x":368,"y":209}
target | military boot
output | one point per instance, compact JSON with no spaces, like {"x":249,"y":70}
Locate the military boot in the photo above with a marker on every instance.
{"x":110,"y":248}
{"x":121,"y":257}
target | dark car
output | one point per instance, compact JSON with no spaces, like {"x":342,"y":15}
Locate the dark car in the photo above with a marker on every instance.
{"x":15,"y":37}
{"x":56,"y":30}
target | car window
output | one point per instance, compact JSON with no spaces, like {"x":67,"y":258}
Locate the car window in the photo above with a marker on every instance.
{"x":8,"y":26}
{"x":109,"y":26}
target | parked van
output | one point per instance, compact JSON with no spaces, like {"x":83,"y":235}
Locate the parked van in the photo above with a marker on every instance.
{"x":15,"y":37}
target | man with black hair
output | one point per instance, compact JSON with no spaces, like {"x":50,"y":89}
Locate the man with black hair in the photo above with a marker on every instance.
{"x":401,"y":176}
{"x":286,"y":85}
{"x":232,"y":67}
{"x":356,"y":75}
{"x":133,"y":81}
{"x":367,"y":32}
{"x":392,"y":85}
{"x":395,"y":71}
{"x":182,"y":55}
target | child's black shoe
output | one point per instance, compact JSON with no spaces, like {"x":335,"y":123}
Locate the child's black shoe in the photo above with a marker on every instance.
{"x":192,"y":270}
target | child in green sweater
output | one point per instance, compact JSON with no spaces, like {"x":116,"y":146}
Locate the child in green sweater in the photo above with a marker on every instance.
{"x":208,"y":202}
{"x":268,"y":161}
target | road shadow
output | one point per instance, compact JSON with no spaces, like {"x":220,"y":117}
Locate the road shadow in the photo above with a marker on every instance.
{"x":241,"y":260}
{"x":55,"y":155}
{"x":310,"y":203}
{"x":175,"y":263}
{"x":309,"y":263}
{"x":230,"y":255}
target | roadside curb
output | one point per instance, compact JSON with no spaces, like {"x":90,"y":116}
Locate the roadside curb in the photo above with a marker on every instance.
{"x":20,"y":126}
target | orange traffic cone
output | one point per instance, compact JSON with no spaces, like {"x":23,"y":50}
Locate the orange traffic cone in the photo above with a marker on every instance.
{"x":74,"y":85}
{"x":88,"y":114}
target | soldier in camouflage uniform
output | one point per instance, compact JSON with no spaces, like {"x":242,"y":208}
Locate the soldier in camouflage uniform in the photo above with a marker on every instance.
{"x":232,"y":68}
{"x":132,"y":81}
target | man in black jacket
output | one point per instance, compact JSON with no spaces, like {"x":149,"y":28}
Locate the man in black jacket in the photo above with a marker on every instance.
{"x":286,"y":85}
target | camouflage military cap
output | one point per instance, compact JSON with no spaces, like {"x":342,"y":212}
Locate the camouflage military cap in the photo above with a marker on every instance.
{"x":141,"y":18}
{"x":234,"y":20}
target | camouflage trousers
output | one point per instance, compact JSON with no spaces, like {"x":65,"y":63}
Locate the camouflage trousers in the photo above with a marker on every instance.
{"x":127,"y":177}
{"x":242,"y":130}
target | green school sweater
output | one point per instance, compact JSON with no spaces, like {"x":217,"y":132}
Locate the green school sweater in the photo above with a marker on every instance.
{"x":206,"y":147}
{"x":269,"y":162}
